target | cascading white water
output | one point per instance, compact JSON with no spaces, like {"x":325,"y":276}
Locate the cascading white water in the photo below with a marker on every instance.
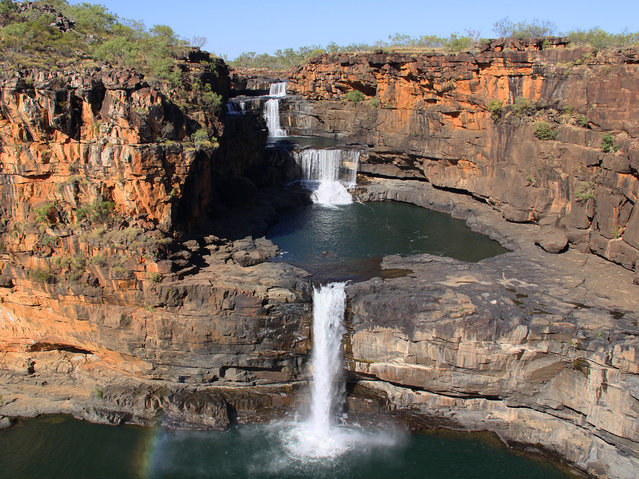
{"x":272,"y":110}
{"x":321,"y":436}
{"x":277,"y":89}
{"x":328,"y":311}
{"x":328,"y":174}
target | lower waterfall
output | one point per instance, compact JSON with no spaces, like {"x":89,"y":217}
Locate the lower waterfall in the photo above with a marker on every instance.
{"x":323,"y":434}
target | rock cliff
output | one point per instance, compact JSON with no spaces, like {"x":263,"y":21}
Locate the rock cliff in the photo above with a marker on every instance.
{"x":539,"y":348}
{"x":525,"y":130}
{"x":536,"y":145}
{"x":111,"y":307}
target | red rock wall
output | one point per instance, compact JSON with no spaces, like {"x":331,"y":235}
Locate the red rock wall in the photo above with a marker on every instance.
{"x":425,"y":117}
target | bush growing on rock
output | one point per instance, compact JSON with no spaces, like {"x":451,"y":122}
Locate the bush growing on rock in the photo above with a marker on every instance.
{"x":585,"y":191}
{"x":521,"y":106}
{"x":96,"y":212}
{"x":608,"y":144}
{"x":543,"y":131}
{"x":495,"y":107}
{"x":354,"y":96}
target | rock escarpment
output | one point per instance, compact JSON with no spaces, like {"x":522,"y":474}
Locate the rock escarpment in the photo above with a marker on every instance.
{"x":536,"y":145}
{"x":519,"y":129}
{"x":111,"y":307}
{"x":539,"y":348}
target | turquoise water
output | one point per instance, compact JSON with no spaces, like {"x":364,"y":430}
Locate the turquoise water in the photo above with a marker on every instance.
{"x":348,"y":242}
{"x":58,"y":447}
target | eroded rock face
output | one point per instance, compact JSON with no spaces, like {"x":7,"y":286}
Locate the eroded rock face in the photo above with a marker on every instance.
{"x":109,"y":310}
{"x":539,"y":348}
{"x":467,"y":123}
{"x":522,"y":351}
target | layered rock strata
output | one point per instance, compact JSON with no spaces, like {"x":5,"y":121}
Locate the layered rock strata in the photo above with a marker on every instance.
{"x":112,"y":307}
{"x":521,"y":129}
{"x":539,"y":348}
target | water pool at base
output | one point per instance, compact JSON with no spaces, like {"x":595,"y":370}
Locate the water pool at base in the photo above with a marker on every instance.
{"x":348,"y":241}
{"x":59,"y":447}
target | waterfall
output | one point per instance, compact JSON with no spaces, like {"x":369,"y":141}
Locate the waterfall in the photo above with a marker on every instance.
{"x":277,"y":89}
{"x":328,"y":174}
{"x":328,"y":310}
{"x":272,"y":110}
{"x":321,"y":436}
{"x":232,"y":108}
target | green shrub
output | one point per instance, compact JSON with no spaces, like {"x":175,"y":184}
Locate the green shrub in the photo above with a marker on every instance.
{"x":42,"y":276}
{"x":585,"y":191}
{"x":495,"y":107}
{"x":98,"y":260}
{"x":608,"y":144}
{"x":521,"y":106}
{"x":582,"y":121}
{"x":157,"y":277}
{"x":201,"y":138}
{"x":46,"y":214}
{"x":374,"y":102}
{"x":354,"y":96}
{"x":601,"y":39}
{"x":96,"y":212}
{"x":458,"y":43}
{"x":543,"y":131}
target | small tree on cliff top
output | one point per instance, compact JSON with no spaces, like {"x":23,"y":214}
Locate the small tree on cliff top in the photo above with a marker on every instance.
{"x":537,"y":28}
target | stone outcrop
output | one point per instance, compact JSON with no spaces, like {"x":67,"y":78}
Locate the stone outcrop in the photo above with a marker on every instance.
{"x":467,"y":122}
{"x":116,"y":301}
{"x":539,"y":348}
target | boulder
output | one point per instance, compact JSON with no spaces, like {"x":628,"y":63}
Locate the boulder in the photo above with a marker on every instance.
{"x":5,"y":422}
{"x":552,"y":240}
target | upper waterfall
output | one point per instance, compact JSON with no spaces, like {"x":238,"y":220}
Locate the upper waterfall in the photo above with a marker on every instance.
{"x":272,"y":110}
{"x":328,"y":174}
{"x":277,"y":89}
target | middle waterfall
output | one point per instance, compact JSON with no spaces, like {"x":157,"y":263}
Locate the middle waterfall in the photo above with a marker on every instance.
{"x":328,"y":174}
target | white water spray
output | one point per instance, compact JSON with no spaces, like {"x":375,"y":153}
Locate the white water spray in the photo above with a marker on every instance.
{"x":277,"y":90}
{"x":328,"y":311}
{"x":328,"y":174}
{"x":272,"y":110}
{"x":321,"y":436}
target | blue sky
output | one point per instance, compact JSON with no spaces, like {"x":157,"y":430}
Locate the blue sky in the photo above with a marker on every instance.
{"x":232,"y":27}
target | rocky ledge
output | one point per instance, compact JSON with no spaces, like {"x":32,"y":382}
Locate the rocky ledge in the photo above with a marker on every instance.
{"x":537,"y":347}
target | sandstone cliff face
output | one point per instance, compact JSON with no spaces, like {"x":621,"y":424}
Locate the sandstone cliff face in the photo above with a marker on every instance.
{"x":101,"y":181}
{"x":429,"y":117}
{"x":539,"y":348}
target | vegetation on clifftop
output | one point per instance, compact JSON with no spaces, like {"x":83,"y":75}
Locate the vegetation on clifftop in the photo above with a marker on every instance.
{"x":455,"y":42}
{"x":53,"y":34}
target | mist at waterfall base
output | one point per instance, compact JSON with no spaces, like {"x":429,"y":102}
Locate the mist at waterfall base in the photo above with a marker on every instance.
{"x":328,"y":173}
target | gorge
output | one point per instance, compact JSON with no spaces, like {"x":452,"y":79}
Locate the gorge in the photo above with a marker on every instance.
{"x":140,"y":281}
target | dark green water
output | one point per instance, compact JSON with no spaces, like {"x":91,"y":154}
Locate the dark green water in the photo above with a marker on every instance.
{"x":60,"y":447}
{"x":348,"y":242}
